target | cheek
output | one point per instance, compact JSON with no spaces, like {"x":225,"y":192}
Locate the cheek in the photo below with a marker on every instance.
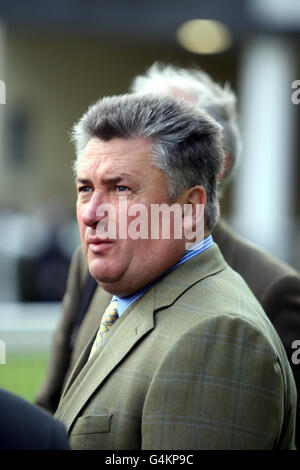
{"x":79,"y":211}
{"x":79,"y":221}
{"x":81,"y":225}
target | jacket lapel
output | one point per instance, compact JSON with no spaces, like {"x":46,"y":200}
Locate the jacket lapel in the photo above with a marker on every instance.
{"x":86,"y":334}
{"x":89,"y":374}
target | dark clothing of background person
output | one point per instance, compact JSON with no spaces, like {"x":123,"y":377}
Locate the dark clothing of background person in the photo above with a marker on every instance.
{"x":24,"y":426}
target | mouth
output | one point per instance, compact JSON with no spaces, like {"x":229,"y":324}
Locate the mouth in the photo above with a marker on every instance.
{"x":98,"y":246}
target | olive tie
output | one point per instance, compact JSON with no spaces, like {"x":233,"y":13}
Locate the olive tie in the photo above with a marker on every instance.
{"x":109,"y":317}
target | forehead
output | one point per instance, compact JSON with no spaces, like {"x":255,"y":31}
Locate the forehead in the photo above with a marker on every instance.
{"x":115,"y":154}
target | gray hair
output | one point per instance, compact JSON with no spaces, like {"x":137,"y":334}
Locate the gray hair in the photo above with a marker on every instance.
{"x":196,"y":86}
{"x":187,"y":142}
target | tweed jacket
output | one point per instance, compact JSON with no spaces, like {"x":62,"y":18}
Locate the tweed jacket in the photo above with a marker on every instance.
{"x":193,"y":364}
{"x":274,"y":283}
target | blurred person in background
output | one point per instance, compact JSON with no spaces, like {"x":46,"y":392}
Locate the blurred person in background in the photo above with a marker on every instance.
{"x":275,"y":284}
{"x":42,"y":269}
{"x":24,"y":426}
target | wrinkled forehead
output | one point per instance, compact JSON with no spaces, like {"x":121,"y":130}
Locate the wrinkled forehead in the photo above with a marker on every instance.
{"x":116,"y":153}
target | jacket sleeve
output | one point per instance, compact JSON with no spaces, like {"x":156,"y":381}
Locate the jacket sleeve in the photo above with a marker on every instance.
{"x":221,"y":386}
{"x":49,"y":394}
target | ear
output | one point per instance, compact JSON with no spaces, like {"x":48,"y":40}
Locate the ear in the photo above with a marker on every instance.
{"x":193,"y":202}
{"x":196,"y":195}
{"x":227,"y":165}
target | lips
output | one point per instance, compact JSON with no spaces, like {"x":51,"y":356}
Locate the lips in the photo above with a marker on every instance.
{"x":96,"y":245}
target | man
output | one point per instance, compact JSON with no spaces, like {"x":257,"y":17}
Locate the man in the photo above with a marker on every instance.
{"x":275,"y":284}
{"x":184,"y":357}
{"x":24,"y":426}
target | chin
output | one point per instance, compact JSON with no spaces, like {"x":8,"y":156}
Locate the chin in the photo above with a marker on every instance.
{"x":103,"y":273}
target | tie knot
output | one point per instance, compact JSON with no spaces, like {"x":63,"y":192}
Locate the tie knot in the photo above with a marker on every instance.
{"x":111,"y":313}
{"x":108,"y":319}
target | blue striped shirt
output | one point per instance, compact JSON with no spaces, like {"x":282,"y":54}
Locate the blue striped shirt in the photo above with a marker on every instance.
{"x":125,"y":302}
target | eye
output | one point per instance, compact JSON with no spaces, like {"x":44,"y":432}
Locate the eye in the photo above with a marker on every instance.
{"x":121,"y":189}
{"x":84,"y":189}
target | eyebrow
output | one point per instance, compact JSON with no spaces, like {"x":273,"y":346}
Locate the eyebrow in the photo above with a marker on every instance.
{"x":106,"y":179}
{"x":111,"y":179}
{"x":82,"y":181}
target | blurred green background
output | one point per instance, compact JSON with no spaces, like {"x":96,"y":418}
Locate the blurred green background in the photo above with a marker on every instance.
{"x":23,"y":374}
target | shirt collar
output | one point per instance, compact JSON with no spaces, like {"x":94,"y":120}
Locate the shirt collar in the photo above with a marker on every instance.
{"x":194,"y":250}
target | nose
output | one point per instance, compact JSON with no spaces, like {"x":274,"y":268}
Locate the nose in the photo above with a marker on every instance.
{"x":92,"y":213}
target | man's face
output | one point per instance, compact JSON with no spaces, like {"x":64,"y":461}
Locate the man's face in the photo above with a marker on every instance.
{"x":119,"y":174}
